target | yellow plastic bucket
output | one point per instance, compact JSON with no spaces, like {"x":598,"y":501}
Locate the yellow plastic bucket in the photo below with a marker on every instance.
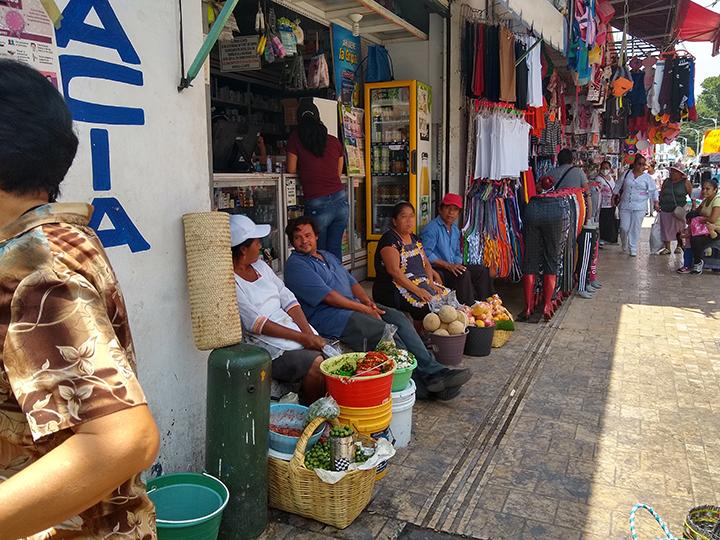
{"x":367,"y":420}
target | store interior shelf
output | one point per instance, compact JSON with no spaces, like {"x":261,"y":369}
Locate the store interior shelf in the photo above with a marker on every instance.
{"x":391,"y":144}
{"x":238,"y":104}
{"x":391,"y":122}
{"x":384,"y":175}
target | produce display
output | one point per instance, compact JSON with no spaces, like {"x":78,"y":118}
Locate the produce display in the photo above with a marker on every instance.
{"x":321,"y":456}
{"x":373,"y":363}
{"x":402,"y":358}
{"x":448,"y":321}
{"x":492,"y":313}
{"x":288,"y":431}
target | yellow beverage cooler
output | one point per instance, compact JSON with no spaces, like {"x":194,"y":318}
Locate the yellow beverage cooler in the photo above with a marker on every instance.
{"x":397,"y":155}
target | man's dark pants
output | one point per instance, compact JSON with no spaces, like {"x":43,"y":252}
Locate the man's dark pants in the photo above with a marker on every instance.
{"x":473,"y":284}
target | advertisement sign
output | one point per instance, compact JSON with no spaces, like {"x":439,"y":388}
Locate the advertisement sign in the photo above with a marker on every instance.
{"x":711,"y":142}
{"x":353,"y":139}
{"x":346,"y":56}
{"x":240,"y":54}
{"x":27,"y":35}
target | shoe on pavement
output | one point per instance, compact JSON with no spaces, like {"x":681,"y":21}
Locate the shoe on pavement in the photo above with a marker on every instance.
{"x":447,"y":394}
{"x":678,"y":250}
{"x":697,"y":268}
{"x":664,"y":251}
{"x":683,"y":270}
{"x":633,"y":254}
{"x":596,"y":284}
{"x":448,"y":378}
{"x":586,"y":295}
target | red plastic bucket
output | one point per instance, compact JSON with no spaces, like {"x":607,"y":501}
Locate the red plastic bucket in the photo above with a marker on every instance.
{"x":369,"y":391}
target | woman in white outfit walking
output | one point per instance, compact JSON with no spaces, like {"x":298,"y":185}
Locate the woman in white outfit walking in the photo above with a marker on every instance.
{"x":634,"y":190}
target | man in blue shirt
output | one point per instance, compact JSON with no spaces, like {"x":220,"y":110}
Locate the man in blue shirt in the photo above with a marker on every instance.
{"x":337,"y":306}
{"x":441,"y":240}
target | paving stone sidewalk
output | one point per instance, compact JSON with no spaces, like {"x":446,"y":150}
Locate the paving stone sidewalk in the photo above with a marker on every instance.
{"x":562,"y":430}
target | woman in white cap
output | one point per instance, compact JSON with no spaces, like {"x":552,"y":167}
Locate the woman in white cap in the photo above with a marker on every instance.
{"x":633,"y":191}
{"x":673,"y":197}
{"x":271,"y":315}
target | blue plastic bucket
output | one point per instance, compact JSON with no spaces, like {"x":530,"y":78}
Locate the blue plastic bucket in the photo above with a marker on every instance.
{"x":189,"y":506}
{"x":290,"y":415}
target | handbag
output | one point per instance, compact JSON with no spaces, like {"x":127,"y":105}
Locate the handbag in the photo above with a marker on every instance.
{"x":698,"y":227}
{"x":318,"y":73}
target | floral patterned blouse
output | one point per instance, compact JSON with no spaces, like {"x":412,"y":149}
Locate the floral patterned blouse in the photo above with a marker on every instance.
{"x":66,"y":356}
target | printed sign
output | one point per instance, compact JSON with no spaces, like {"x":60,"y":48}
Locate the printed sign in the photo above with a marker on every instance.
{"x":346,"y":56}
{"x":240,"y":54}
{"x":353,"y":139}
{"x":424,"y":105}
{"x":27,"y":35}
{"x":711,"y":142}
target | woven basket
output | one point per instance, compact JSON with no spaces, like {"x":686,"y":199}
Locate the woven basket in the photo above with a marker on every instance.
{"x":211,"y":285}
{"x":702,"y":523}
{"x":298,"y":490}
{"x":501,"y":337}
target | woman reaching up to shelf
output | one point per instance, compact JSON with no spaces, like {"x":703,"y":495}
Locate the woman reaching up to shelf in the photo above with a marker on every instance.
{"x":317,"y":158}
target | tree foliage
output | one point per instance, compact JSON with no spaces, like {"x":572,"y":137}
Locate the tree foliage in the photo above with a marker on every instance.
{"x":708,"y":106}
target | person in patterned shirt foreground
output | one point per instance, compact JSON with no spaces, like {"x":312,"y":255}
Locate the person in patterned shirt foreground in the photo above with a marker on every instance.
{"x":75,"y":429}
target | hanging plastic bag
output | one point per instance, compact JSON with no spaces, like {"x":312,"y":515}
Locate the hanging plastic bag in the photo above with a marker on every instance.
{"x":296,"y":75}
{"x":387,"y":341}
{"x":325,"y":407}
{"x":299,"y":33}
{"x":288,"y":40}
{"x":656,"y":243}
{"x":380,"y":68}
{"x":318,"y":73}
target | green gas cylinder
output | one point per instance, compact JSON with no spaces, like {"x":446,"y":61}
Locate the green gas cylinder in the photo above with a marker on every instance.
{"x":238,"y":417}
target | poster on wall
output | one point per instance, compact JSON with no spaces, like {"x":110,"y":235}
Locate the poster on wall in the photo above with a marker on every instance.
{"x":346,"y":55}
{"x":424,"y":103}
{"x":27,"y":35}
{"x":353,"y":139}
{"x":240,"y":54}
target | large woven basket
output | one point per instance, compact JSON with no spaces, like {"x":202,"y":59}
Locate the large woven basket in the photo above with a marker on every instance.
{"x":211,"y":284}
{"x":298,"y":490}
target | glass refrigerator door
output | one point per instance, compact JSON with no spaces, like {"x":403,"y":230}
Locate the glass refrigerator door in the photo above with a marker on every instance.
{"x":258,"y":200}
{"x":389,"y":153}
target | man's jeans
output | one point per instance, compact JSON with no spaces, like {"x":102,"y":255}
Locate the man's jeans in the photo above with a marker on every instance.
{"x":330,"y":214}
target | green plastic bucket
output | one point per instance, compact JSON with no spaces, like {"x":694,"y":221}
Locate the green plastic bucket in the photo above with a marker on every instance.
{"x":401,"y":377}
{"x":189,"y":506}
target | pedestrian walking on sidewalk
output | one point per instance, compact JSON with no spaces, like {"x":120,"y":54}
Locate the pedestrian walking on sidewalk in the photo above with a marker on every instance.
{"x":608,"y":221}
{"x":75,"y":428}
{"x":632,"y":193}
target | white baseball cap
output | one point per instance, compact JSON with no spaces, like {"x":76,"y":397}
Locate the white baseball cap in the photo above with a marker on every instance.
{"x":243,"y":228}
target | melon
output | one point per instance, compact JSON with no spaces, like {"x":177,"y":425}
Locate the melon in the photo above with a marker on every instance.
{"x":431,"y":322}
{"x":461,"y":317}
{"x":447,"y":314}
{"x":455,"y":328}
{"x":441,"y":332}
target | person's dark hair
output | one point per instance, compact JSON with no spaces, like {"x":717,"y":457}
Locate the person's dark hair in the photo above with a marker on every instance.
{"x":604,"y":162}
{"x":706,"y":175}
{"x":237,"y":250}
{"x":37,"y":141}
{"x":295,"y":224}
{"x":399,"y":207}
{"x":312,"y":132}
{"x":565,"y":157}
{"x":712,"y":180}
{"x":638,"y":157}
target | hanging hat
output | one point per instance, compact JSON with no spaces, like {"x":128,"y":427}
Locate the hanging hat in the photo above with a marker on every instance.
{"x":635,"y":62}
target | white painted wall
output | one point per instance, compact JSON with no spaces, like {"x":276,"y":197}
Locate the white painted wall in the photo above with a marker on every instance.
{"x":160,"y":171}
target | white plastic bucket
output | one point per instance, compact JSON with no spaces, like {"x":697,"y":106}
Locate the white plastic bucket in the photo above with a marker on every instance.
{"x":401,"y":424}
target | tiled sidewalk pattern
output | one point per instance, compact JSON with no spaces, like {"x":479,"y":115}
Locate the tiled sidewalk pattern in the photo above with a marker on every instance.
{"x":624,"y":407}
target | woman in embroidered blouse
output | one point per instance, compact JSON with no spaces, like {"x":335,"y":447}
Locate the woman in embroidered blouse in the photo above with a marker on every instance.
{"x":405,"y":278}
{"x":633,"y":191}
{"x":271,"y":315}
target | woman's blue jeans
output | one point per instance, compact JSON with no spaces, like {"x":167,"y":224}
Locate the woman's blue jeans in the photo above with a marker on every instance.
{"x":330,"y":214}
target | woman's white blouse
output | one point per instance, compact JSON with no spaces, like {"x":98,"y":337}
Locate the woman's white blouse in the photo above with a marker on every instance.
{"x":636,"y":190}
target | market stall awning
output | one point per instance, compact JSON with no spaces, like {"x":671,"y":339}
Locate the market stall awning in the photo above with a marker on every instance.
{"x":697,"y":23}
{"x":378,"y":24}
{"x":649,"y":21}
